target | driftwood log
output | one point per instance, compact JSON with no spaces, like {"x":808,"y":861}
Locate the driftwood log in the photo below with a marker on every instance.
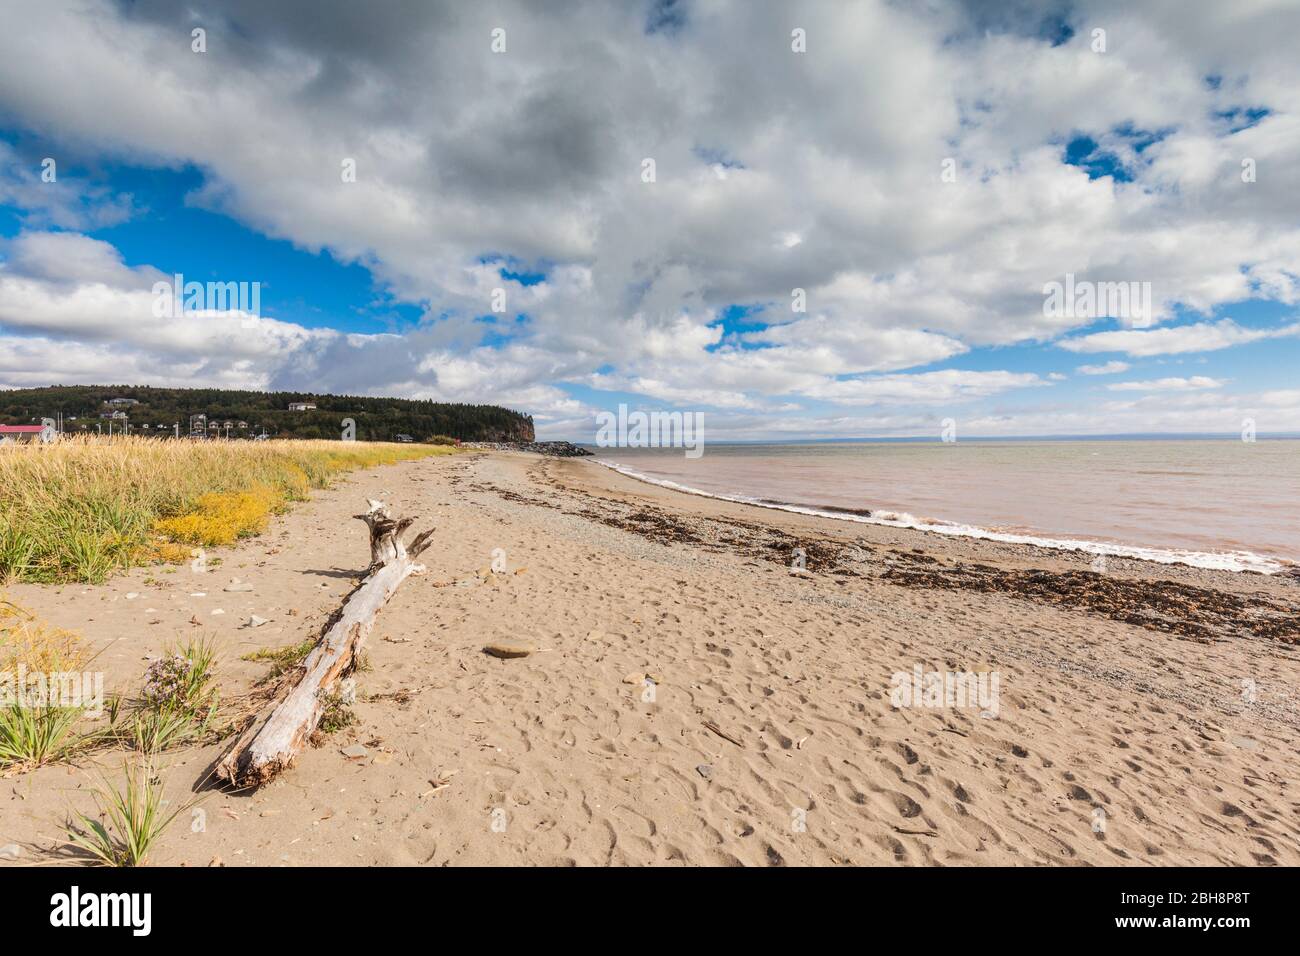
{"x":273,"y":738}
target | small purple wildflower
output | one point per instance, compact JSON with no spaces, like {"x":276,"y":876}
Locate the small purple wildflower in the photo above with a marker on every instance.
{"x":167,"y":680}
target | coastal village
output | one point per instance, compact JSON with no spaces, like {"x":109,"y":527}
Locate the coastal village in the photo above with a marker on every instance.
{"x":46,"y":414}
{"x":115,"y":415}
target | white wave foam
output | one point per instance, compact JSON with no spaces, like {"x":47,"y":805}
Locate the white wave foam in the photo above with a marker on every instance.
{"x":1213,"y":560}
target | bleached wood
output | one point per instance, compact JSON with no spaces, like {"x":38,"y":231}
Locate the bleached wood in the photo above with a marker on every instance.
{"x":274,"y":738}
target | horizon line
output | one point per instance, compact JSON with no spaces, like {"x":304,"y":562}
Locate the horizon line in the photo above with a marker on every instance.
{"x":1109,"y":436}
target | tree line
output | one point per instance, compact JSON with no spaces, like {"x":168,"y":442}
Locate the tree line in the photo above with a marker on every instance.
{"x":375,"y":419}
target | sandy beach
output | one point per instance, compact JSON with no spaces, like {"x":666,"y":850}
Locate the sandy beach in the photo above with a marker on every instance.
{"x":693,"y":699}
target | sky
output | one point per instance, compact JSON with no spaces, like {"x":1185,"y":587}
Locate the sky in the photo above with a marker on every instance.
{"x":800,"y":220}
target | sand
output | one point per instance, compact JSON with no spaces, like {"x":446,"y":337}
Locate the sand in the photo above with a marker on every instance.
{"x":690,"y":700}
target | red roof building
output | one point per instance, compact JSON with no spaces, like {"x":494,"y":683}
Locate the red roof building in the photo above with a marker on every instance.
{"x":25,"y":433}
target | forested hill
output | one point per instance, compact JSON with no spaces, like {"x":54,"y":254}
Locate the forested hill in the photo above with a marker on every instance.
{"x":376,"y":419}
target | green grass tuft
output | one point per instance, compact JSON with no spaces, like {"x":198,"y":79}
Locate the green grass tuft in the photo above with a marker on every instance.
{"x":130,"y":819}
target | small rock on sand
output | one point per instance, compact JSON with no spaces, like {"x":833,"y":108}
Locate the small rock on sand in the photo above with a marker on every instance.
{"x":705,"y":770}
{"x":504,"y":650}
{"x":10,"y":851}
{"x":355,"y":752}
{"x":636,"y":677}
{"x":237,"y":585}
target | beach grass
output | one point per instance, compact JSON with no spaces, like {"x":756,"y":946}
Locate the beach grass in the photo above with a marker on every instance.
{"x":283,"y":659}
{"x":130,"y":818}
{"x":178,"y":702}
{"x":83,"y":508}
{"x":34,"y":735}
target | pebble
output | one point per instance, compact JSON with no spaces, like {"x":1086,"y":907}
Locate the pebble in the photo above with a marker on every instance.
{"x":356,"y":751}
{"x":636,"y":677}
{"x":255,"y":621}
{"x":237,"y":585}
{"x":705,"y":770}
{"x":10,"y":851}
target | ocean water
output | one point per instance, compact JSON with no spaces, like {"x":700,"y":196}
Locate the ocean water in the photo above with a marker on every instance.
{"x":1209,"y":503}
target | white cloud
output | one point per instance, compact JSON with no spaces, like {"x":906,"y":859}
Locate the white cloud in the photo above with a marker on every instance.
{"x":1167,"y":384}
{"x":832,"y":185}
{"x":1200,"y":337}
{"x":927,"y":388}
{"x":1106,"y":368}
{"x":51,"y":196}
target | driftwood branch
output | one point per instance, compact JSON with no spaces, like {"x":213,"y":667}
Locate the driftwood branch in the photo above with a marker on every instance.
{"x":274,"y":737}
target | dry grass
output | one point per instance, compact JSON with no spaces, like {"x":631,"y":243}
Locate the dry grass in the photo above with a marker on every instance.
{"x":88,"y":506}
{"x":24,"y":639}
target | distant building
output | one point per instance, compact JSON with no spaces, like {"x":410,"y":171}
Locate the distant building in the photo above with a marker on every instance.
{"x":115,"y":415}
{"x":302,"y":406}
{"x":123,"y":401}
{"x":26,"y":433}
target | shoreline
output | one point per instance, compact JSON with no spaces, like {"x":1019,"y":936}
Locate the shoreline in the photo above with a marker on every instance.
{"x":1233,"y":561}
{"x":653,"y":616}
{"x":921,"y":558}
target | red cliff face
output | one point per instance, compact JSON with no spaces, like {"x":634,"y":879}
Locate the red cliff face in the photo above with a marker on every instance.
{"x":523,"y":431}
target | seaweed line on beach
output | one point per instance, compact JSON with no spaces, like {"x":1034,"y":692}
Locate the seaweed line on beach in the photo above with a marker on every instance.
{"x":1185,"y":611}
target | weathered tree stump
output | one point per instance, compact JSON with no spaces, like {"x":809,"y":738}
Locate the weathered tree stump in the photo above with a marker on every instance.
{"x":273,"y":738}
